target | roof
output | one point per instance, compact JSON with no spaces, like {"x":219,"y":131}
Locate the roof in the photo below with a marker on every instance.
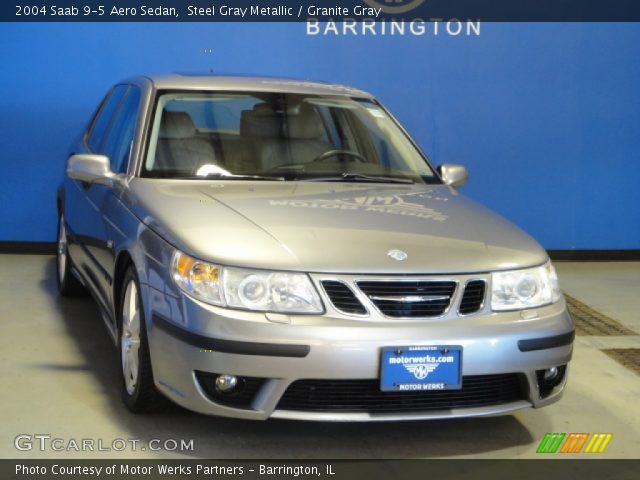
{"x":210,"y":81}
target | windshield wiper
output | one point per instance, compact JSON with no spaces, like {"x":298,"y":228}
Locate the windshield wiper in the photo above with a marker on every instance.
{"x":358,"y":177}
{"x":224,"y":176}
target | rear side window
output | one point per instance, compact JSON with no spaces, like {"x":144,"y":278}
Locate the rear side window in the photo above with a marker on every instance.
{"x":118,"y":141}
{"x":102,"y":119}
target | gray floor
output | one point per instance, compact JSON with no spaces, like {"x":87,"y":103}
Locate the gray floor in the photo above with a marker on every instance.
{"x":59,"y":373}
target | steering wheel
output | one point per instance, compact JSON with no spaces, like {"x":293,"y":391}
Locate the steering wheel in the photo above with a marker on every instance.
{"x":333,"y":153}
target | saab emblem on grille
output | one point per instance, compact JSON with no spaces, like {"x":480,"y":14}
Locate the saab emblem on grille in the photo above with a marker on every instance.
{"x":396,"y":254}
{"x":421,"y":370}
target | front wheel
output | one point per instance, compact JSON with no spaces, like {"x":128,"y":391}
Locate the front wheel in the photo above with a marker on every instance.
{"x":138,"y":389}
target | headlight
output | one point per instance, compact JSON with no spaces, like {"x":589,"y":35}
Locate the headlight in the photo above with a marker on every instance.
{"x":270,"y":291}
{"x":259,"y":290}
{"x":518,"y":289}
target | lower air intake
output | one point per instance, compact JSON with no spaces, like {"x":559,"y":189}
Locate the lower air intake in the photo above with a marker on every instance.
{"x":365,"y":395}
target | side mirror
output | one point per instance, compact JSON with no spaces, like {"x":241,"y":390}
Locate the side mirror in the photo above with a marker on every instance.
{"x":90,"y":168}
{"x":453,"y":175}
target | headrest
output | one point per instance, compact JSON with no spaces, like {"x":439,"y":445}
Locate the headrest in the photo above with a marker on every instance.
{"x":176,"y":125}
{"x":306,"y":124}
{"x":261,"y":122}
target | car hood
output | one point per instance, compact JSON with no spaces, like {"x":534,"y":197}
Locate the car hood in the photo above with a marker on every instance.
{"x":331,"y":227}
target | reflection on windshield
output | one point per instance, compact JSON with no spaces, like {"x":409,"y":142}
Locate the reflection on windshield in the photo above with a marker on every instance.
{"x":281,"y":136}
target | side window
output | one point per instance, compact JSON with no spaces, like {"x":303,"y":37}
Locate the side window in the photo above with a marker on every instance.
{"x":103,"y":117}
{"x":117,"y":143}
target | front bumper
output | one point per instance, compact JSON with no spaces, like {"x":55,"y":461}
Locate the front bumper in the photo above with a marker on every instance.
{"x":187,"y":336}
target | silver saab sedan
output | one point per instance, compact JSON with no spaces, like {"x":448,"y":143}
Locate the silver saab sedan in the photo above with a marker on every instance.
{"x":268,"y":248}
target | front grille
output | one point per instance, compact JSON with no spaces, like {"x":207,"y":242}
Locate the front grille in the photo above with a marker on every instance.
{"x":343,"y":298}
{"x":473,"y":297}
{"x":409,"y":298}
{"x":365,"y":395}
{"x":240,"y":398}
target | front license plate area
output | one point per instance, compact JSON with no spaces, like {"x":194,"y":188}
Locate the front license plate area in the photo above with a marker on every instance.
{"x":421,"y":368}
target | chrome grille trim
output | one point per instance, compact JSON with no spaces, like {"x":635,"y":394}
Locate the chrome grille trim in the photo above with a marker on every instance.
{"x":335,"y":303}
{"x":375,"y":315}
{"x":369,"y":286}
{"x":464,"y":293}
{"x":410,"y":298}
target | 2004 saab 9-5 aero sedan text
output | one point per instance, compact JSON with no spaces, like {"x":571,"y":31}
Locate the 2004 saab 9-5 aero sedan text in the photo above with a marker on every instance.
{"x":276,"y":248}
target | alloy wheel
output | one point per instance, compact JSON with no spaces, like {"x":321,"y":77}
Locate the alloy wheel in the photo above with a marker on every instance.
{"x":62,"y":250}
{"x":130,"y":337}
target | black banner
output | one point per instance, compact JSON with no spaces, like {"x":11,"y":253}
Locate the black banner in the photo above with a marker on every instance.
{"x":321,"y":10}
{"x":587,"y":469}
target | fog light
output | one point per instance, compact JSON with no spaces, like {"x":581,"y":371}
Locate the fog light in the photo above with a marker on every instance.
{"x":549,"y":379}
{"x":550,"y":374}
{"x":226,"y":383}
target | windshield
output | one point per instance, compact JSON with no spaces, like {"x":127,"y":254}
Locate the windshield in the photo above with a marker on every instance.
{"x":280,"y":136}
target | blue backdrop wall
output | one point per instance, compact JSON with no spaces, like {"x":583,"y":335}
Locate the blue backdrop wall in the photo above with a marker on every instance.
{"x":545,"y":116}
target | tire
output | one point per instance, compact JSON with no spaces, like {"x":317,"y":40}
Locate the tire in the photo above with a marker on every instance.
{"x":68,"y":284}
{"x":139,"y":392}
